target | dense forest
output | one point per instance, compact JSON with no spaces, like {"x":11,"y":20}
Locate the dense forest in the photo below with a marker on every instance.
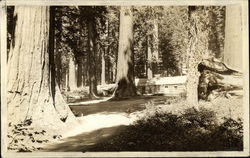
{"x":59,"y":51}
{"x":84,"y":35}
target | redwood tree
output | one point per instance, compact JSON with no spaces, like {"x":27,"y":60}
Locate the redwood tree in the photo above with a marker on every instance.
{"x":233,"y":37}
{"x":193,"y":61}
{"x":72,"y":73}
{"x":196,"y":51}
{"x":92,"y":52}
{"x":125,"y":66}
{"x":88,"y":16}
{"x":152,"y":49}
{"x":32,"y":90}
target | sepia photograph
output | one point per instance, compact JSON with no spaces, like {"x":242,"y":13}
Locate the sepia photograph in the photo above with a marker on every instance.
{"x":123,"y":78}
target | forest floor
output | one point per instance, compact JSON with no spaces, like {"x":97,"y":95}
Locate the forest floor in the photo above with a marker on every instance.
{"x":110,"y":118}
{"x":106,"y":106}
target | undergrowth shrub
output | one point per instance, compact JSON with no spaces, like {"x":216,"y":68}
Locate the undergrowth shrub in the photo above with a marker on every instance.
{"x":192,"y":130}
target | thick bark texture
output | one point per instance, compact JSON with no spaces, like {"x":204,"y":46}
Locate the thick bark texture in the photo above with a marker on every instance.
{"x":92,"y":52}
{"x":125,"y":72}
{"x":32,"y":90}
{"x":193,"y":59}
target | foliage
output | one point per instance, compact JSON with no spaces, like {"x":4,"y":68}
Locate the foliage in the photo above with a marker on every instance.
{"x":193,"y":130}
{"x":174,"y":36}
{"x":216,"y":27}
{"x":173,"y":24}
{"x":71,"y":36}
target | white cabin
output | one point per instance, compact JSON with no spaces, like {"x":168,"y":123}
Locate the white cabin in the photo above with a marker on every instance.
{"x":169,"y":86}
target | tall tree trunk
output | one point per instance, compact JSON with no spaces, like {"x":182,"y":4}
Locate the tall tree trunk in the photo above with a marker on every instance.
{"x":58,"y":67}
{"x":152,"y":50}
{"x":155,"y":50}
{"x":85,"y":72}
{"x":149,"y":59}
{"x":108,"y":67}
{"x":80,"y":72}
{"x":125,"y":65}
{"x":67,"y":80}
{"x":58,"y":60}
{"x":233,"y":37}
{"x":32,"y":90}
{"x":103,"y":81}
{"x":92,"y":52}
{"x":72,"y":74}
{"x":193,"y":61}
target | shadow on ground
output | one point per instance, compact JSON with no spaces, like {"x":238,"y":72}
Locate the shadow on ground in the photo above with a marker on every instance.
{"x":84,"y":141}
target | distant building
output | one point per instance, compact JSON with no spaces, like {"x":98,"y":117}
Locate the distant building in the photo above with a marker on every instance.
{"x":169,"y":86}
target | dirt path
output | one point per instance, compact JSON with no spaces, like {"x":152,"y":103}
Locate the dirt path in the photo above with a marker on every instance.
{"x":93,"y":128}
{"x":100,"y":119}
{"x":83,"y":142}
{"x":120,"y":106}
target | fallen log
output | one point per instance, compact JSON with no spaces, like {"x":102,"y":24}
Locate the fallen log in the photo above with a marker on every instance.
{"x":217,"y":79}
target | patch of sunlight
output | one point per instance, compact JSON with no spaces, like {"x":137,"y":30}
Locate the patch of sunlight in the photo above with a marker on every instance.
{"x":91,"y":101}
{"x":93,"y":122}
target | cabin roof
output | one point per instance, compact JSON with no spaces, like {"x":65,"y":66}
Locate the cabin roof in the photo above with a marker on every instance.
{"x":161,"y":81}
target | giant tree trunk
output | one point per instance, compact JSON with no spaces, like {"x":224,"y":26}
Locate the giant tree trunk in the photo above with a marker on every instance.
{"x":125,"y":72}
{"x":233,"y":37}
{"x":193,"y":59}
{"x":32,"y":91}
{"x":72,"y":74}
{"x":197,"y":51}
{"x":92,"y":52}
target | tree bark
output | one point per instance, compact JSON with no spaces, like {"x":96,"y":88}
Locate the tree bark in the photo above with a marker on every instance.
{"x":58,"y":61}
{"x":79,"y":72}
{"x":152,"y":50}
{"x":103,"y":81}
{"x":92,"y":52}
{"x":72,"y":74}
{"x":67,"y":80}
{"x":155,"y":49}
{"x":149,"y":59}
{"x":193,"y":59}
{"x":58,"y":68}
{"x":125,"y":72}
{"x":233,"y":38}
{"x":32,"y":90}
